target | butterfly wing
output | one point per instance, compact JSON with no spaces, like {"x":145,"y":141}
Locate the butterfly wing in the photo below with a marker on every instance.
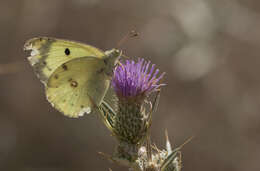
{"x":77,"y":86}
{"x":47,"y":54}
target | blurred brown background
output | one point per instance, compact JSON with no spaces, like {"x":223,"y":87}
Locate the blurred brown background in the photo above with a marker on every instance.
{"x":209,"y":48}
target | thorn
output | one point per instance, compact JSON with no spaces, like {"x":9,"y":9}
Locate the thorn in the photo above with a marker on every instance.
{"x":166,"y":135}
{"x":168,"y":144}
{"x":187,"y":141}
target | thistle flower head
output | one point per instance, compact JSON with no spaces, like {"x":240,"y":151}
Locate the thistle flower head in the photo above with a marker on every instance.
{"x":136,"y":79}
{"x":133,"y":83}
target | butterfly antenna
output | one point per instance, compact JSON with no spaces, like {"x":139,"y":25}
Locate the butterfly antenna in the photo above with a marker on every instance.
{"x":130,"y":34}
{"x":127,"y":57}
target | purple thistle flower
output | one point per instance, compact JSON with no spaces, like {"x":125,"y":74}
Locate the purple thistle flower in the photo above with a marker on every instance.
{"x":133,"y":82}
{"x":134,"y":79}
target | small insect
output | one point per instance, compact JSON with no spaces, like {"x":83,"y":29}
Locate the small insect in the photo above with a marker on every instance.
{"x":76,"y":75}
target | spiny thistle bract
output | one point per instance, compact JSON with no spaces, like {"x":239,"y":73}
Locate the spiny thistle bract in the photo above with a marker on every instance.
{"x":137,"y":87}
{"x":152,"y":159}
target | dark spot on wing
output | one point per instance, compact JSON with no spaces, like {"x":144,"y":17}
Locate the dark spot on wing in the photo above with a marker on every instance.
{"x":82,"y":106}
{"x":70,"y":79}
{"x":44,"y":63}
{"x":67,"y":51}
{"x":65,"y":67}
{"x":56,"y":76}
{"x":100,"y":71}
{"x":74,"y":84}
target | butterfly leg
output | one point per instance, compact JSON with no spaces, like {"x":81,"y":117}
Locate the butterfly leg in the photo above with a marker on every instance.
{"x":105,"y":112}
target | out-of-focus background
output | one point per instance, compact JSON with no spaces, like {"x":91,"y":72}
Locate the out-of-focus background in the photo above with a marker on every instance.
{"x":210,"y":50}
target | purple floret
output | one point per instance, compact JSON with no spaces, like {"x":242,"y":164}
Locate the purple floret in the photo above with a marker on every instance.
{"x":133,"y":79}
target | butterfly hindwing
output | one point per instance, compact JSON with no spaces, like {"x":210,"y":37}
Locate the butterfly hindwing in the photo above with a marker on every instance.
{"x":47,"y":54}
{"x":74,"y":93}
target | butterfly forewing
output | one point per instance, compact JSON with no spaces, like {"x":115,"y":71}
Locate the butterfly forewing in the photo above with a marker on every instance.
{"x":47,"y":54}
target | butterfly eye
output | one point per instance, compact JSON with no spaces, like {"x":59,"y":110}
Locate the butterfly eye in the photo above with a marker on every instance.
{"x":67,"y":51}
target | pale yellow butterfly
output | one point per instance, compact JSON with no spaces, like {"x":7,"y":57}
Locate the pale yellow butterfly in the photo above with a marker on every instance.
{"x":76,"y":75}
